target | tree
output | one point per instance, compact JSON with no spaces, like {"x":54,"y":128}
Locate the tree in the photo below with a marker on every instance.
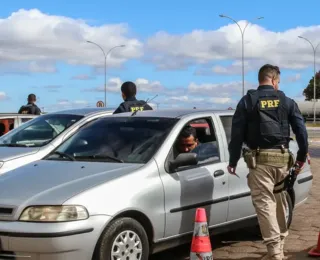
{"x":308,"y":91}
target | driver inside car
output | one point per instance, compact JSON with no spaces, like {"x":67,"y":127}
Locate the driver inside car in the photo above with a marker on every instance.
{"x":188,"y":142}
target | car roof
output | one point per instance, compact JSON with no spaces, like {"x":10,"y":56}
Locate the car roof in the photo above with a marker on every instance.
{"x":16,"y":114}
{"x":174,"y":113}
{"x":84,"y":111}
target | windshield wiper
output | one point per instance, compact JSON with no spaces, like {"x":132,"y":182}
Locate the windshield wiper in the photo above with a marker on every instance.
{"x":65,"y":155}
{"x":14,"y":145}
{"x":100,"y":157}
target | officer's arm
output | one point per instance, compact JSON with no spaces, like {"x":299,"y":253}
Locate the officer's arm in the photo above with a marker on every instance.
{"x":239,"y":125}
{"x":120,"y":109}
{"x":20,"y":110}
{"x":299,"y":129}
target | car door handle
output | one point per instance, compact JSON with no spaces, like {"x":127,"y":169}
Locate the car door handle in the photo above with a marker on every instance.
{"x":218,"y":173}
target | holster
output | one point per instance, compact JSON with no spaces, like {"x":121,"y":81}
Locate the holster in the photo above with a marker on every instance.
{"x":287,"y":183}
{"x":291,"y":160}
{"x":249,"y":157}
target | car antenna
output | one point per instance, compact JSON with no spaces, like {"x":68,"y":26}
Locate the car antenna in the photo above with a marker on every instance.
{"x":135,"y":112}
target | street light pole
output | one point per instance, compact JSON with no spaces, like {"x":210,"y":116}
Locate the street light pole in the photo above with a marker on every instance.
{"x":242,"y":39}
{"x":105,"y":66}
{"x":314,"y":78}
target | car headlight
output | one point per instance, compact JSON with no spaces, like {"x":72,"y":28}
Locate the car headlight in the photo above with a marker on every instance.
{"x":54,"y":213}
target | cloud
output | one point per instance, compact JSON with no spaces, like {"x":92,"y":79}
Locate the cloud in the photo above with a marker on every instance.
{"x":293,"y":78}
{"x":34,"y":38}
{"x":3,"y":96}
{"x":235,"y":68}
{"x":82,"y":77}
{"x":219,"y":89}
{"x":198,"y":102}
{"x":26,"y":67}
{"x":215,"y":95}
{"x":63,"y":104}
{"x":53,"y":88}
{"x":283,"y":48}
{"x":143,"y":85}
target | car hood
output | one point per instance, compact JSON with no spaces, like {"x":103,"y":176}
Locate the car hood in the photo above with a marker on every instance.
{"x":53,"y":182}
{"x":10,"y":153}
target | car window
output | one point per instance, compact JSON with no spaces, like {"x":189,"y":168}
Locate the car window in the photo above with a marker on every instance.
{"x":116,"y":139}
{"x":207,"y":148}
{"x":25,"y":119}
{"x":40,"y":131}
{"x":227,"y":124}
{"x":6,"y":125}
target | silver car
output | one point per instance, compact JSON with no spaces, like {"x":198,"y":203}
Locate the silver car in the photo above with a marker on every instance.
{"x":31,"y":140}
{"x":120,"y":189}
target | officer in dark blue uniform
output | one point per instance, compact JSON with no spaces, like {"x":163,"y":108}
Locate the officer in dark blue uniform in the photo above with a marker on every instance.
{"x":31,"y":108}
{"x":131,"y":104}
{"x":262,"y":121}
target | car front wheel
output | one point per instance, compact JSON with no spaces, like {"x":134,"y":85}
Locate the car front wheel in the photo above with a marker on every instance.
{"x":124,"y":239}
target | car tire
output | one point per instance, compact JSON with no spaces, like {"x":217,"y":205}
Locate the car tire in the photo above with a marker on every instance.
{"x":125,"y":228}
{"x":289,"y":209}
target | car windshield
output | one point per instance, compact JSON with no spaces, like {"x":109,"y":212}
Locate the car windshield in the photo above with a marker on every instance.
{"x":116,"y":139}
{"x":39,"y":131}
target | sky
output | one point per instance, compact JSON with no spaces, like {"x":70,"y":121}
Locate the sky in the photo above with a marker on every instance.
{"x":181,"y":51}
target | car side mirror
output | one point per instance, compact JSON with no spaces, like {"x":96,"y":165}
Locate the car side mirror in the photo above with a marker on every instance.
{"x":183,"y":159}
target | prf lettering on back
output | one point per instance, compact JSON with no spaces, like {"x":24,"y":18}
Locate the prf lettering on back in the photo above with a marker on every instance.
{"x":133,"y":109}
{"x":272,"y":103}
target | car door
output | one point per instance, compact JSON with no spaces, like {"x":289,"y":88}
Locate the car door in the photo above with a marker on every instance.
{"x":240,"y":204}
{"x":203,"y":185}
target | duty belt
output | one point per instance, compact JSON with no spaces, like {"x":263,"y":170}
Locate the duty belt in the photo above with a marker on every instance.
{"x":272,"y":156}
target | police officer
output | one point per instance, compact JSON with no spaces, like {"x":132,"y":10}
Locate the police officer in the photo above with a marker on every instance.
{"x":31,"y":107}
{"x":131,"y":104}
{"x":261,"y":121}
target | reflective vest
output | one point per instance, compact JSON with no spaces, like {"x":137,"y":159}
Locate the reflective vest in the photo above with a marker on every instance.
{"x":136,"y":105}
{"x":268,"y":125}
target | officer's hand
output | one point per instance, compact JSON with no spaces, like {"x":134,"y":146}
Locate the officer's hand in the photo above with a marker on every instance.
{"x":298,"y":167}
{"x":231,"y":170}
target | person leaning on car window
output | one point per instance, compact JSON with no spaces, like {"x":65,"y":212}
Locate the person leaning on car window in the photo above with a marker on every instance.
{"x":131,"y":104}
{"x":261,"y":121}
{"x":31,"y":108}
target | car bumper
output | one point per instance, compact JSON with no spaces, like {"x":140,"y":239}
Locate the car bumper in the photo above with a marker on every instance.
{"x":51,"y":241}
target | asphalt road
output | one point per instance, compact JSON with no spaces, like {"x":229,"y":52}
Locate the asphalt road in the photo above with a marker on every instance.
{"x":247,"y":245}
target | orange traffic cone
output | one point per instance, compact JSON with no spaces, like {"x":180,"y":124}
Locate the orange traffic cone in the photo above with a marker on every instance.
{"x":201,"y":245}
{"x":315,"y":251}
